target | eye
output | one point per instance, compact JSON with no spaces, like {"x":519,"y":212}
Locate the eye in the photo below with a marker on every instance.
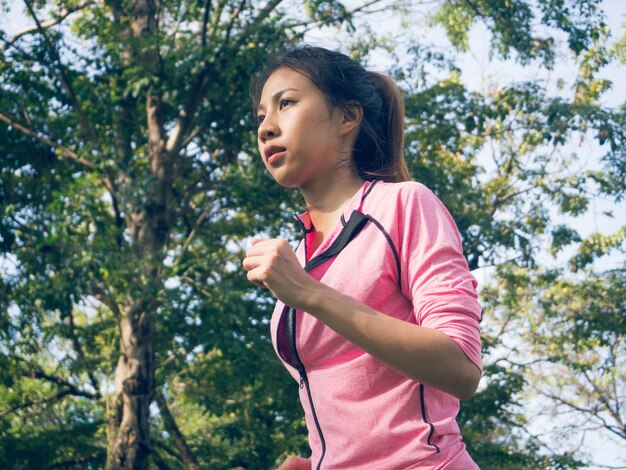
{"x":259,"y":119}
{"x":284,"y":102}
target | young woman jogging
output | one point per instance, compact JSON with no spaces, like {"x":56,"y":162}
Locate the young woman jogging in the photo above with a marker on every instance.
{"x":377,"y":317}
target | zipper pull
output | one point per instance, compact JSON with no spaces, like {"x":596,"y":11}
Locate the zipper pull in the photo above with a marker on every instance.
{"x":301,"y":381}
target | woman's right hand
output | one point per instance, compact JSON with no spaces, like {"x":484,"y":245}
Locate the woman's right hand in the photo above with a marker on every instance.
{"x":295,"y":463}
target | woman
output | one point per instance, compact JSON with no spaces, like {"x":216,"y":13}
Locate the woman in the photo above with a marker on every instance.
{"x":377,"y":316}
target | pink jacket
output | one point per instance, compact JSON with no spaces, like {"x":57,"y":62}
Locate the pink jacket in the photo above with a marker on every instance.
{"x":406,"y":261}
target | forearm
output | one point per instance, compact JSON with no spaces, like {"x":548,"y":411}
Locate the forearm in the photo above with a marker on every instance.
{"x":423,"y":354}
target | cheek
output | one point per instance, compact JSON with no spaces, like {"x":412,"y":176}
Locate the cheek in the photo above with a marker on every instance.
{"x":259,"y":146}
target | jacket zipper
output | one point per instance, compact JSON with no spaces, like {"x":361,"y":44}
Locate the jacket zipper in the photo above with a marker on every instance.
{"x":304,"y":380}
{"x":356,"y":222}
{"x":297,"y":364}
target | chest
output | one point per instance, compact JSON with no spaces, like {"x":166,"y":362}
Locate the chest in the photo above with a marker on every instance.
{"x":367,"y":270}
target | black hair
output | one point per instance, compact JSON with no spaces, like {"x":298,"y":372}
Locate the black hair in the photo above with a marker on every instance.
{"x":378,"y":151}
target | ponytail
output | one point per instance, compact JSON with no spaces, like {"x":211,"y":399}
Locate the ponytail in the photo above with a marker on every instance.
{"x":390,"y":145}
{"x":378,"y":151}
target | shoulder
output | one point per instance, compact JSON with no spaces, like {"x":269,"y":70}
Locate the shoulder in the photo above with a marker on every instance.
{"x":412,"y":208}
{"x":404,"y":195}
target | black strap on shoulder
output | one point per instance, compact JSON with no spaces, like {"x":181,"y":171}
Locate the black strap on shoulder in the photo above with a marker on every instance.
{"x":369,"y":190}
{"x":355,"y":224}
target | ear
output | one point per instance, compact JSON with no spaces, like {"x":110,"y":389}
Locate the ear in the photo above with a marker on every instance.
{"x":352,"y":115}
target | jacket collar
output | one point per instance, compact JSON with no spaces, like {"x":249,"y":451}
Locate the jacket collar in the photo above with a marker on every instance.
{"x":355,"y":204}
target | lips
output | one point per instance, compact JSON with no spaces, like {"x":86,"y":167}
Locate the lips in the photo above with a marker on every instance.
{"x":272,"y":150}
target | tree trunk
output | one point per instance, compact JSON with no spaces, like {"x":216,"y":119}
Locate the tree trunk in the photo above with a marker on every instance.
{"x":148,"y":225}
{"x":129,"y":440}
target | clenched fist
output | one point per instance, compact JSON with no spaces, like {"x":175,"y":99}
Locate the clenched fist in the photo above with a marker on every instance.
{"x":272,"y":264}
{"x":295,"y":463}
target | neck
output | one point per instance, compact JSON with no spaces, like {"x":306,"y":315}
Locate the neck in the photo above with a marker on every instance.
{"x":325,"y":199}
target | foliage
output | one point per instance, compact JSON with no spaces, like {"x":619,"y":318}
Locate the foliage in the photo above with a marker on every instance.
{"x":73,"y":181}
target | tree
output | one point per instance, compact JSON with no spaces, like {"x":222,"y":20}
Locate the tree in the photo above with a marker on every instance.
{"x":129,"y":187}
{"x":121,"y":170}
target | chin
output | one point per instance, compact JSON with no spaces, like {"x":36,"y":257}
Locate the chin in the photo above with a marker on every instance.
{"x":286,"y":181}
{"x":288,"y":185}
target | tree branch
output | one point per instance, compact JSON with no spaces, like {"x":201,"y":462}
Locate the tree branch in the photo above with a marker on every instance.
{"x":198,"y":90}
{"x":205,"y":21}
{"x":32,"y":403}
{"x":358,"y":9}
{"x":501,"y":200}
{"x":107,"y":299}
{"x":600,"y":395}
{"x":71,"y":389}
{"x":216,"y":19}
{"x":190,"y":136}
{"x":79,"y":350}
{"x":185,"y":117}
{"x":254,"y":25}
{"x":158,"y":460}
{"x":196,"y":226}
{"x":233,"y":17}
{"x":18,"y":49}
{"x":185,"y":452}
{"x":73,"y":463}
{"x":524,"y":428}
{"x":593,"y":413}
{"x":89,"y":132}
{"x":65,"y":152}
{"x":193,"y":284}
{"x":180,"y":14}
{"x":169,"y":450}
{"x":59,"y":17}
{"x":145,"y":27}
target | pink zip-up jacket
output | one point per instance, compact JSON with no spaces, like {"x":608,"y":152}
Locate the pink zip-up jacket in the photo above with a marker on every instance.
{"x":407,"y":262}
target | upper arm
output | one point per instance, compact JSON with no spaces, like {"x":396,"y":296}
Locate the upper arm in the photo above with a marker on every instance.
{"x":436,"y":276}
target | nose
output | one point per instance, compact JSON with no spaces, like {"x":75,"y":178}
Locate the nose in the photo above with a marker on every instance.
{"x":268,"y":129}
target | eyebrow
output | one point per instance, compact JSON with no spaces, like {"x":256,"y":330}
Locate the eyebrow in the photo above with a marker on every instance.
{"x":277,"y":95}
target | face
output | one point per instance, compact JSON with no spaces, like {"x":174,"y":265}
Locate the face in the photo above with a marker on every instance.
{"x":299,"y":136}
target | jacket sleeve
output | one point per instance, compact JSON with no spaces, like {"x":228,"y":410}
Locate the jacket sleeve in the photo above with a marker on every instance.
{"x":436,"y":276}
